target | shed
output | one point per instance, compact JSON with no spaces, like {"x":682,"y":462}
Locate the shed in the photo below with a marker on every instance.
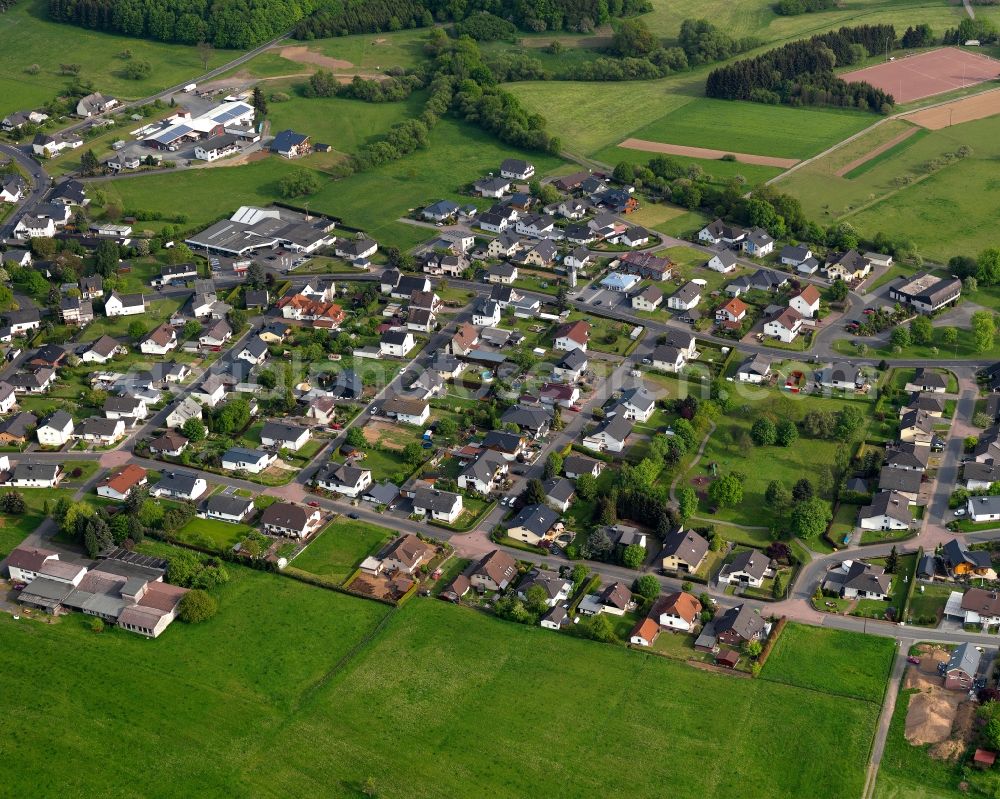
{"x":727,"y":658}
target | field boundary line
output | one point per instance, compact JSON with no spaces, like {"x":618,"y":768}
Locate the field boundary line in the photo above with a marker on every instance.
{"x":707,"y":153}
{"x":864,"y":159}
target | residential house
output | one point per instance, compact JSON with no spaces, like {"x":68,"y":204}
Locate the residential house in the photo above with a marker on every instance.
{"x":610,"y":435}
{"x":216,"y":334}
{"x":847,"y":266}
{"x":732,"y":313}
{"x":396,"y":343}
{"x":440,"y":211}
{"x":983,"y":509}
{"x":274,"y":332}
{"x":758,"y":243}
{"x":492,"y":187}
{"x":571,"y":366}
{"x":503,"y":273}
{"x":55,"y":430}
{"x":441,"y":506}
{"x":94,"y":104}
{"x":506,"y":245}
{"x":281,"y":435}
{"x":644,"y":633}
{"x":341,"y":478}
{"x":124,"y":304}
{"x":962,"y":668}
{"x":718,"y":232}
{"x":289,"y":144}
{"x":170,"y":443}
{"x":356,"y":249}
{"x":738,"y":625}
{"x":171,"y":273}
{"x":960,"y":561}
{"x":128,"y":409}
{"x":77,"y":312}
{"x":509,"y":445}
{"x":485,"y":473}
{"x":908,"y":455}
{"x":748,"y":568}
{"x":102,"y":350}
{"x":229,"y":508}
{"x":981,"y":606}
{"x":636,"y":404}
{"x":555,"y":618}
{"x":645,"y":265}
{"x":495,"y":572}
{"x":785,"y":326}
{"x":768,"y":280}
{"x":35,"y":382}
{"x":755,"y":369}
{"x":254,"y":351}
{"x":559,"y":493}
{"x":855,"y":579}
{"x":557,"y":589}
{"x":576,"y":465}
{"x":34,"y":227}
{"x":216,"y":147}
{"x":23,"y":320}
{"x":464,"y":340}
{"x":888,"y":511}
{"x":8,"y":399}
{"x":686,"y":297}
{"x":186,"y":409}
{"x":842,"y":376}
{"x":928,"y":380}
{"x":406,"y":410}
{"x":677,"y":611}
{"x":806,"y":302}
{"x":724,"y":261}
{"x":980,"y":476}
{"x":794,"y":254}
{"x":486,"y":313}
{"x":287,"y":519}
{"x":531,"y":420}
{"x":161,"y":341}
{"x":572,"y":335}
{"x":406,"y":554}
{"x":254,"y":461}
{"x":16,"y":429}
{"x":536,"y":226}
{"x":25,"y":563}
{"x":120,"y":483}
{"x":516,"y":169}
{"x":579,"y":259}
{"x":683,"y":551}
{"x":563,"y":394}
{"x":103,"y":432}
{"x":36,"y":475}
{"x":901,"y":481}
{"x":916,"y":427}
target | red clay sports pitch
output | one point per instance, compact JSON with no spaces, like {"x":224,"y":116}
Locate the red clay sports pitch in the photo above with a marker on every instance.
{"x":926,"y":74}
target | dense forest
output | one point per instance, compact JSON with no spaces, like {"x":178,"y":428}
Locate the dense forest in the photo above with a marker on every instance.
{"x":243,"y":24}
{"x":801,"y":73}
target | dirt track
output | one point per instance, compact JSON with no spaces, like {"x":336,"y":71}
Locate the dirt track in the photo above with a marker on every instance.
{"x":873,"y":153}
{"x":303,"y":55}
{"x":967,"y":109}
{"x":702,"y":152}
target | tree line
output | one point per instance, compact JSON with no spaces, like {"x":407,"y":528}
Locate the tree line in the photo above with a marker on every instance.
{"x":235,"y":24}
{"x":791,"y":8}
{"x":801,"y":72}
{"x":343,"y":17}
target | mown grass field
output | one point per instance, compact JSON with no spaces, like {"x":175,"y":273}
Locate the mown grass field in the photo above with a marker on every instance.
{"x":231,"y":693}
{"x":374,"y":200}
{"x":832,"y":661}
{"x":945,"y":212}
{"x":344,"y":124}
{"x":776,"y":130}
{"x":14,"y":527}
{"x":213,"y":533}
{"x":341,"y":547}
{"x":30,"y":38}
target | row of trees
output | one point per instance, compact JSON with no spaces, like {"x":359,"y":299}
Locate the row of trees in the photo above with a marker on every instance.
{"x":802,"y":73}
{"x":237,"y":24}
{"x":791,"y":8}
{"x":482,"y":19}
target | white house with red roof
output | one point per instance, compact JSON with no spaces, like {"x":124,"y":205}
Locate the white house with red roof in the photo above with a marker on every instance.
{"x":573,"y":336}
{"x":806,"y":302}
{"x":785,"y":326}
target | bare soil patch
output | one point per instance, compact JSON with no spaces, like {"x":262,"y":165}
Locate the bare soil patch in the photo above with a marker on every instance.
{"x":935,"y":716}
{"x":383,"y":433}
{"x":873,"y":153}
{"x":704,"y":152}
{"x":927,"y":74}
{"x":301,"y":54}
{"x":968,"y":109}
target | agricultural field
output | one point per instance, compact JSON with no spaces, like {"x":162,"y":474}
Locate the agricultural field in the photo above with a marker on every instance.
{"x":719,"y":170}
{"x":341,"y":547}
{"x":946,"y":210}
{"x":458,"y":154}
{"x":30,"y":38}
{"x":832,"y":661}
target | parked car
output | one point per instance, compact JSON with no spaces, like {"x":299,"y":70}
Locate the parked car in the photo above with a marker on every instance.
{"x":960,"y":512}
{"x":914,"y":660}
{"x":352,"y":516}
{"x":313,"y":504}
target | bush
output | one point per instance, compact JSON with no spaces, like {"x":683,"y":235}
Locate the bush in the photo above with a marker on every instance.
{"x":197,"y":606}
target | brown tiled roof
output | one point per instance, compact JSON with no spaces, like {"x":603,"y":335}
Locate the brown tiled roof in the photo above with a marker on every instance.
{"x":578,"y":331}
{"x":125,"y":479}
{"x":679,"y":603}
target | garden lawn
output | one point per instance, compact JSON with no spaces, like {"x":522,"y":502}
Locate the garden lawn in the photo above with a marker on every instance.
{"x":213,"y":533}
{"x":15,"y":527}
{"x":833,"y":661}
{"x":157,"y":312}
{"x":929,"y":604}
{"x":30,"y":38}
{"x":761,"y":465}
{"x":341,"y":547}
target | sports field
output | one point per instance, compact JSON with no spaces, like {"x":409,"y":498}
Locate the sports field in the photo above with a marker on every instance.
{"x":926,"y":74}
{"x":283,"y":693}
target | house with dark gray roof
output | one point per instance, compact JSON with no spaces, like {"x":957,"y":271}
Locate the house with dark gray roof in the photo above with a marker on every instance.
{"x":533,"y":524}
{"x":228,"y":508}
{"x":748,"y":568}
{"x":855,"y":579}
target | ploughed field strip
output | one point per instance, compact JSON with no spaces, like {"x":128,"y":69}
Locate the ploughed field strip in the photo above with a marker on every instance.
{"x":927,"y":74}
{"x":864,"y":159}
{"x":703,"y":152}
{"x":967,"y":109}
